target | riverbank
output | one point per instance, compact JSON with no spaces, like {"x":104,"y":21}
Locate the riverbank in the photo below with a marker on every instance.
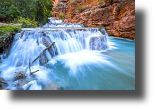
{"x":7,"y":33}
{"x":132,"y":39}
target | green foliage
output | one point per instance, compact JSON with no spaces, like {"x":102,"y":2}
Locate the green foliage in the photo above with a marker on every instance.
{"x":71,"y":2}
{"x":58,"y":4}
{"x":101,"y":1}
{"x":39,"y":10}
{"x":81,"y":8}
{"x":5,"y":30}
{"x":109,"y":33}
{"x":27,"y":23}
{"x":50,"y":15}
{"x":73,"y":12}
{"x":10,"y":12}
{"x":62,"y":16}
{"x":100,"y":26}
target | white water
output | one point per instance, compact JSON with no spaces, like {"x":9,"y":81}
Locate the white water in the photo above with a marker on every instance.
{"x":76,"y":59}
{"x":60,"y":23}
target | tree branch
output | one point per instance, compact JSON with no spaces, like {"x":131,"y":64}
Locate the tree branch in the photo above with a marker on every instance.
{"x":43,"y":51}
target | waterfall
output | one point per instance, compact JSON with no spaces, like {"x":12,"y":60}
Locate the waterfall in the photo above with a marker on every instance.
{"x":59,"y":23}
{"x":29,"y":43}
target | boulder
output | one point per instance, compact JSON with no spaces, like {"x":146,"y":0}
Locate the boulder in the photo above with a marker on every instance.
{"x":51,"y":86}
{"x":43,"y":59}
{"x":19,"y":75}
{"x":3,"y":84}
{"x":98,"y":43}
{"x":52,"y":50}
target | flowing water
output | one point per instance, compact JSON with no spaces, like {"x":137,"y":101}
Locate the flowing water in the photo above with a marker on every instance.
{"x":81,"y":59}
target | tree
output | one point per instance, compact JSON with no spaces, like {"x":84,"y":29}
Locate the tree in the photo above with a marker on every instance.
{"x":39,"y":10}
{"x":12,"y":13}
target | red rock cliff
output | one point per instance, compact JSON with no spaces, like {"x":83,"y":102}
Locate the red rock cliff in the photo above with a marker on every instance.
{"x":118,"y":16}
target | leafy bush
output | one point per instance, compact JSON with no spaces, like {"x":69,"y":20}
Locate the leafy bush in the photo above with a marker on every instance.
{"x":31,"y":9}
{"x":58,"y":4}
{"x":62,"y":16}
{"x":100,"y":2}
{"x":5,"y":30}
{"x":73,"y":12}
{"x":81,"y":8}
{"x":27,"y":23}
{"x":50,"y":15}
{"x":10,"y":12}
{"x":71,"y":2}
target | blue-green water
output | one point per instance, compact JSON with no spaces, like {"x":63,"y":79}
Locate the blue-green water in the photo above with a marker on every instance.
{"x":81,"y":61}
{"x":113,"y":69}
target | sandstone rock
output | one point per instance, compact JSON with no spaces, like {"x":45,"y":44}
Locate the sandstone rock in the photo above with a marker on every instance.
{"x":118,"y":16}
{"x":108,"y":2}
{"x":124,"y":26}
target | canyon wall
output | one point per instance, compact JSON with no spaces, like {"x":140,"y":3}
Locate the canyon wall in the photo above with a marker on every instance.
{"x":117,"y":16}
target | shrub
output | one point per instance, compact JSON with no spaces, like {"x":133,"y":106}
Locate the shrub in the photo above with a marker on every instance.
{"x":71,"y":2}
{"x":5,"y":30}
{"x":27,"y":23}
{"x":62,"y":16}
{"x":10,"y":13}
{"x":50,"y":15}
{"x":81,"y":8}
{"x":32,"y":9}
{"x":100,"y":2}
{"x":58,"y":4}
{"x":73,"y":12}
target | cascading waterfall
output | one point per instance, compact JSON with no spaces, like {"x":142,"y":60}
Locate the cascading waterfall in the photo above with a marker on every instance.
{"x":60,"y":23}
{"x":70,"y":64}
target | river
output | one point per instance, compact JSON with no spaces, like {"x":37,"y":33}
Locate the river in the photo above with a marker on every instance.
{"x":81,"y":59}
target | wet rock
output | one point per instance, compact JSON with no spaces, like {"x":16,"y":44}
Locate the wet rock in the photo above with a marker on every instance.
{"x":52,"y":50}
{"x":102,"y":30}
{"x":95,"y":43}
{"x":3,"y":84}
{"x":43,"y":59}
{"x":53,"y":86}
{"x":46,"y":41}
{"x":98,"y":43}
{"x":103,"y":43}
{"x":19,"y":75}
